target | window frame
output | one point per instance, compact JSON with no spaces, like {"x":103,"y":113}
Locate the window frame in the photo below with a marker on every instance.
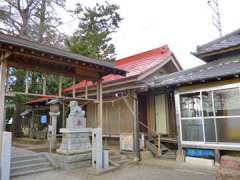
{"x":202,"y":117}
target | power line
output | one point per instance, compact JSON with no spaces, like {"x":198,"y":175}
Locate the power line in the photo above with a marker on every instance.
{"x":216,"y":17}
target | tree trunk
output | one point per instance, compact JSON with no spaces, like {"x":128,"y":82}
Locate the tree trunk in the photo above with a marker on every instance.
{"x":17,"y":121}
{"x":42,"y":21}
{"x":24,"y":28}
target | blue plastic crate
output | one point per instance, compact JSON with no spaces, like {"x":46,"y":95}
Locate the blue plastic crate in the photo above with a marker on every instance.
{"x":203,"y":153}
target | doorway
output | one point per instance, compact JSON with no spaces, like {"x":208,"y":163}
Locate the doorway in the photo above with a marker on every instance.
{"x":142,"y":112}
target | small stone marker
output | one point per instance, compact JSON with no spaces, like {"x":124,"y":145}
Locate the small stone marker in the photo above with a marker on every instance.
{"x":6,"y":156}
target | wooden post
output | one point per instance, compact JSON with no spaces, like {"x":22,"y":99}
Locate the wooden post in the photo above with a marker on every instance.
{"x":100,"y":104}
{"x":60,"y":87}
{"x":136,"y":129}
{"x":217,"y":156}
{"x":63,"y":115}
{"x":27,"y":82}
{"x":74,"y":90}
{"x":3,"y":76}
{"x":159,"y":145}
{"x":44,"y":84}
{"x":86,"y":89}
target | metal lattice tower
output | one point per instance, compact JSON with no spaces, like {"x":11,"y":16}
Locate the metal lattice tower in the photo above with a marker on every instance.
{"x":216,"y":17}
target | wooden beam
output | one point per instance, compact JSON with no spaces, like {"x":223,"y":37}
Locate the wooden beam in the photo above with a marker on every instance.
{"x":48,"y":70}
{"x":4,"y":56}
{"x":129,"y":106}
{"x":88,"y":67}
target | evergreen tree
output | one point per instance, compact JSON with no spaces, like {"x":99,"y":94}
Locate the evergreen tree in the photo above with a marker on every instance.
{"x":93,"y":37}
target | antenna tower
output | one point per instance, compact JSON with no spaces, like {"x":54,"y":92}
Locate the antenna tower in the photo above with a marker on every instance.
{"x":216,"y":17}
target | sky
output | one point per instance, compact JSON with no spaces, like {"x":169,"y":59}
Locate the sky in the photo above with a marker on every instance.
{"x":148,"y":24}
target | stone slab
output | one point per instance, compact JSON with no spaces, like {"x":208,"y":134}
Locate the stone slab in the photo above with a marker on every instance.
{"x":73,"y":152}
{"x":75,"y":130}
{"x":200,"y":161}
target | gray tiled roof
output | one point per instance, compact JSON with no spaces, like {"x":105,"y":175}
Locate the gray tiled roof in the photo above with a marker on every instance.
{"x":227,"y":41}
{"x":216,"y":69}
{"x":20,"y":42}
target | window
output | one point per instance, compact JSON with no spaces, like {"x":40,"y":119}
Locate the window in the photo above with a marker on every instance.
{"x":228,"y":130}
{"x":227,"y":102}
{"x":192,"y":130}
{"x":210,"y":133}
{"x":190,"y":105}
{"x":207,"y":103}
{"x":211,"y":116}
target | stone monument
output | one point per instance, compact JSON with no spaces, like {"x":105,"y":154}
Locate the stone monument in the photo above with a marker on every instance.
{"x":75,"y":136}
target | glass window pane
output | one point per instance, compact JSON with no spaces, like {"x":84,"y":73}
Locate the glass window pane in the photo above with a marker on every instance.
{"x":207,"y":103}
{"x":190,"y":105}
{"x":209,"y":130}
{"x":228,"y":130}
{"x":227,"y":102}
{"x":192,"y":130}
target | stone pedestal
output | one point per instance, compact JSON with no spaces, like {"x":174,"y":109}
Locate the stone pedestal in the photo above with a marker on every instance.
{"x":75,"y":141}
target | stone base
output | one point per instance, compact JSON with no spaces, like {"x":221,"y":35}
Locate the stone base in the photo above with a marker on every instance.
{"x":75,"y":141}
{"x":70,"y":162}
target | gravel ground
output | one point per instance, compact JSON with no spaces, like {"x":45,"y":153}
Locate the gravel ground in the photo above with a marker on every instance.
{"x":130,"y":172}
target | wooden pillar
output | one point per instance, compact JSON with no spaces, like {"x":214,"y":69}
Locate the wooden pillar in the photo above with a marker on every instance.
{"x":159,"y":145}
{"x":100,"y":104}
{"x":44,"y":84}
{"x":3,"y":76}
{"x":60,"y":87}
{"x":86,"y":89}
{"x":73,"y":89}
{"x":136,"y":136}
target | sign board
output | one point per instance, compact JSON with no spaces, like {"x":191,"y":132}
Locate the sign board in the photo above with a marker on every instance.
{"x":126,"y":142}
{"x":43,"y":119}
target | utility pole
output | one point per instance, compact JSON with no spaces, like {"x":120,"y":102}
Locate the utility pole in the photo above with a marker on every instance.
{"x":216,"y":17}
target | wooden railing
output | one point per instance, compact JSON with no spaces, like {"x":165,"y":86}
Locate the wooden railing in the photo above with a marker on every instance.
{"x":154,"y":147}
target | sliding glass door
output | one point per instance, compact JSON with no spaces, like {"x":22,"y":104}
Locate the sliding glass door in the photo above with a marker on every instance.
{"x":211,"y":116}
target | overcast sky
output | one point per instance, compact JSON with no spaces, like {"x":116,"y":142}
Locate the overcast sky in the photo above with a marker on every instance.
{"x":147,"y":24}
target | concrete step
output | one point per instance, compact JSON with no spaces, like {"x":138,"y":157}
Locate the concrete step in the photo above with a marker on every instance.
{"x":26,"y":157}
{"x":32,"y":171}
{"x":28,"y":162}
{"x":30,"y":167}
{"x":120,"y":159}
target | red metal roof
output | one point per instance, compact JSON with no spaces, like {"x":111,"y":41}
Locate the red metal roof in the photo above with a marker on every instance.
{"x":134,"y":65}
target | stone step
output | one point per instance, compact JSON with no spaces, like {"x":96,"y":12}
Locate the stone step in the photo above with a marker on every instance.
{"x":26,"y":157}
{"x":32,"y":171}
{"x":28,"y":161}
{"x":120,"y":157}
{"x":29,"y":167}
